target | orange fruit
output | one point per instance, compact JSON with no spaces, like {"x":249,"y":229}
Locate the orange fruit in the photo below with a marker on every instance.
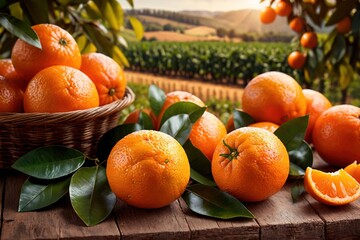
{"x":344,"y":25}
{"x":206,"y":133}
{"x":336,"y":135}
{"x":354,"y":170}
{"x":60,"y":89}
{"x":309,"y":40}
{"x":174,"y":97}
{"x":8,"y":71}
{"x":297,"y":24}
{"x":58,"y":48}
{"x":108,"y":76}
{"x":283,"y":8}
{"x":133,"y":117}
{"x":271,"y":127}
{"x":11,"y":97}
{"x":230,"y":124}
{"x":296,"y":60}
{"x":251,"y":164}
{"x":267,"y":15}
{"x":148,"y":169}
{"x":273,"y":97}
{"x":316,"y":103}
{"x":335,"y":188}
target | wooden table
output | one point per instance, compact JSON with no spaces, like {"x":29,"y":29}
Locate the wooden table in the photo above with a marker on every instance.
{"x":276,"y":218}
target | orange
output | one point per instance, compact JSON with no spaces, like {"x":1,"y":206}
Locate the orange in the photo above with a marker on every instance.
{"x":316,"y":103}
{"x":354,"y":170}
{"x":271,"y":127}
{"x":335,"y":188}
{"x":108,"y":76}
{"x":309,"y":40}
{"x":11,"y":97}
{"x":148,"y":169}
{"x":8,"y":71}
{"x":344,"y":25}
{"x":206,"y":133}
{"x":267,"y":15}
{"x":58,"y":48}
{"x":297,"y":24}
{"x":251,"y":164}
{"x":336,"y":135}
{"x":273,"y":97}
{"x":283,"y":8}
{"x":174,"y":97}
{"x":60,"y":89}
{"x":296,"y":60}
{"x":133,"y":117}
{"x":230,"y":124}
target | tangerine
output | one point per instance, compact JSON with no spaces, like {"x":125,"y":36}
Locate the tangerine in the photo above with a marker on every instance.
{"x":283,"y":8}
{"x":8,"y":71}
{"x":11,"y":97}
{"x":296,"y":60}
{"x":267,"y":15}
{"x":309,"y":40}
{"x":297,"y":24}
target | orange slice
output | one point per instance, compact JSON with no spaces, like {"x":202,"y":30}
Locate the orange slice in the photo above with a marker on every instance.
{"x":335,"y":188}
{"x":354,"y":170}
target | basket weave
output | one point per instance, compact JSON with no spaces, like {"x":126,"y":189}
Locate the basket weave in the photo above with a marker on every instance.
{"x":81,"y":129}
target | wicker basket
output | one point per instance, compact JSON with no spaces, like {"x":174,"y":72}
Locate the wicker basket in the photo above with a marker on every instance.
{"x":81,"y":129}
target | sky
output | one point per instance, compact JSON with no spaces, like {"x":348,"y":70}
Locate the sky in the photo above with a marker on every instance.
{"x":209,"y":5}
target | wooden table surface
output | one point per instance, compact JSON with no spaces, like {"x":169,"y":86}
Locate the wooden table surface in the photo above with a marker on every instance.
{"x":276,"y":218}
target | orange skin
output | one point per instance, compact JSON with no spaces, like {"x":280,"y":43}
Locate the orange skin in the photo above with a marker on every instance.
{"x":148,"y":169}
{"x":11,"y":97}
{"x":8,"y":71}
{"x":309,"y":40}
{"x":251,"y":164}
{"x":344,"y":25}
{"x":354,"y":170}
{"x":108,"y":76}
{"x":60,"y":89}
{"x":296,"y":60}
{"x":271,"y":127}
{"x":283,"y":8}
{"x":336,"y":135}
{"x":58,"y":48}
{"x":297,"y":24}
{"x":267,"y":15}
{"x":316,"y":103}
{"x":273,"y":97}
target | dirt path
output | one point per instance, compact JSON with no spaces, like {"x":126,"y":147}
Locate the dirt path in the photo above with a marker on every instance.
{"x":204,"y":91}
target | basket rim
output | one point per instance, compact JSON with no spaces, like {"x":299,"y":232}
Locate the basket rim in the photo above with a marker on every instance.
{"x":113,"y":107}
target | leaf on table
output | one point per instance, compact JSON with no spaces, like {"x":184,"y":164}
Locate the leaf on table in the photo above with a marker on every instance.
{"x":178,"y":126}
{"x":50,"y":162}
{"x":156,"y":98}
{"x":212,"y":202}
{"x":90,"y":195}
{"x":242,"y":119}
{"x":302,"y":157}
{"x":297,"y":191}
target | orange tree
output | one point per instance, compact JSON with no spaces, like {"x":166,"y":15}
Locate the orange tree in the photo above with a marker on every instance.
{"x":328,"y":35}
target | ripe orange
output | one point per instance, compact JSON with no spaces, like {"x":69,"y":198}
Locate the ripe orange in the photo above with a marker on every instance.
{"x":354,"y":170}
{"x":316,"y":103}
{"x":108,"y":76}
{"x":344,"y":25}
{"x":60,"y":89}
{"x":271,"y":127}
{"x":8,"y":71}
{"x":267,"y":15}
{"x":58,"y":48}
{"x":251,"y":164}
{"x":206,"y":133}
{"x":283,"y":8}
{"x":336,"y":135}
{"x":336,"y":188}
{"x":309,"y":40}
{"x":148,"y":169}
{"x":297,"y":24}
{"x":11,"y":97}
{"x":273,"y":97}
{"x":296,"y":60}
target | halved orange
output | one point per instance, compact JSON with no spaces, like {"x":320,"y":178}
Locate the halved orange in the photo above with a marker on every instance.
{"x":354,"y":170}
{"x":334,"y":188}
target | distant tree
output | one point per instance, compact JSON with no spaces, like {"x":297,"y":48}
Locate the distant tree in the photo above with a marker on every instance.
{"x":232,"y":34}
{"x":221,"y":32}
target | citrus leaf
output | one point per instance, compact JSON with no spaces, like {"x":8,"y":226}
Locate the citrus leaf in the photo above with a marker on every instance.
{"x":145,"y":121}
{"x":341,"y":11}
{"x":111,"y":137}
{"x":90,"y":195}
{"x":302,"y":156}
{"x":178,"y":126}
{"x":355,"y":23}
{"x":108,"y":14}
{"x":20,"y":29}
{"x":131,"y":2}
{"x":242,"y":119}
{"x":297,"y":190}
{"x":201,"y":179}
{"x":119,"y":57}
{"x":295,"y":170}
{"x":137,"y":26}
{"x":50,"y":162}
{"x":338,"y":49}
{"x":156,"y":98}
{"x":35,"y":195}
{"x":37,"y":11}
{"x":212,"y":202}
{"x":292,"y":132}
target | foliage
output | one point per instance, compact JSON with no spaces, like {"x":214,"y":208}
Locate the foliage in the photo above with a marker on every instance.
{"x":96,"y":25}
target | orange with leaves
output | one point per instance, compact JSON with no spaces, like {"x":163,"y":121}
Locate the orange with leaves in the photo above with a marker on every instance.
{"x":296,"y":60}
{"x":11,"y":97}
{"x":148,"y":169}
{"x":267,"y":15}
{"x":251,"y":164}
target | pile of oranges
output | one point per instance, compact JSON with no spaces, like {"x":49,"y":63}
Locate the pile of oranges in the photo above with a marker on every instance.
{"x":57,"y":77}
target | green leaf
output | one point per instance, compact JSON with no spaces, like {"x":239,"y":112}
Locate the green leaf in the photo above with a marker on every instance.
{"x":296,"y":171}
{"x":346,"y":75}
{"x":36,"y":195}
{"x":212,"y":202}
{"x":242,"y":119}
{"x":119,"y":57}
{"x":37,"y":11}
{"x":341,"y":11}
{"x":178,"y":126}
{"x":99,"y":38}
{"x":50,"y":162}
{"x":109,"y":15}
{"x":145,"y":121}
{"x":292,"y":132}
{"x":131,"y":2}
{"x":90,"y":195}
{"x":198,"y":161}
{"x":156,"y":98}
{"x":137,"y":26}
{"x":355,"y":22}
{"x":302,"y":157}
{"x":20,"y":29}
{"x":338,"y":49}
{"x":111,"y":137}
{"x":195,"y":175}
{"x":297,"y":190}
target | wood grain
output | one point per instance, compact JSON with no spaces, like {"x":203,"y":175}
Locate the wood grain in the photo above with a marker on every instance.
{"x":2,"y":183}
